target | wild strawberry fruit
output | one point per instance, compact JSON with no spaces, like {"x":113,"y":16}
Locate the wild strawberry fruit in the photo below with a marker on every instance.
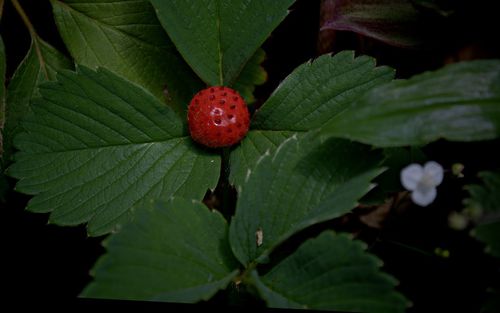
{"x":218,"y":117}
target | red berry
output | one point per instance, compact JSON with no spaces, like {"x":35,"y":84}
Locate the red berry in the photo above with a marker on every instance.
{"x":218,"y":117}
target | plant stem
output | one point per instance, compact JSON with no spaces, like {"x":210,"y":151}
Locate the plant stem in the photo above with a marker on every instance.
{"x":244,"y":275}
{"x":405,"y":246}
{"x":224,"y":185}
{"x":33,"y":34}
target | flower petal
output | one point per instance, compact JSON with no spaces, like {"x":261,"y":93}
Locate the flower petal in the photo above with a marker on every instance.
{"x":423,"y":197}
{"x":411,"y":176}
{"x":435,"y":171}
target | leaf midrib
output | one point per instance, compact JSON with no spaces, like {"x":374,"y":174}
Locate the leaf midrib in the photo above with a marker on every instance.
{"x":219,"y":41}
{"x":112,"y":146}
{"x":403,"y":111}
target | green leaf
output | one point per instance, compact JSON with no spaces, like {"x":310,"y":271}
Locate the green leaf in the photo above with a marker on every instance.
{"x":218,"y":37}
{"x":305,"y":181}
{"x":309,"y":97}
{"x":330,"y":272}
{"x":252,"y":75}
{"x":318,"y":91}
{"x":97,"y":145}
{"x":485,"y":198}
{"x":254,"y":146}
{"x":460,"y":102}
{"x":126,"y":38}
{"x":174,"y":251}
{"x":40,"y":64}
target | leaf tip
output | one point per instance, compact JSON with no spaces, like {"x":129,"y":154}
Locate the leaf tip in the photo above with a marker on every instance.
{"x":370,"y":187}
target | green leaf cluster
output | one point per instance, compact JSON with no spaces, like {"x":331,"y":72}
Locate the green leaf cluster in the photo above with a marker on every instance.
{"x":485,"y":199}
{"x":106,"y":144}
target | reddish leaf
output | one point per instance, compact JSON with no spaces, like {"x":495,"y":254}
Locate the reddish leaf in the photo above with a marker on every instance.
{"x":395,"y":22}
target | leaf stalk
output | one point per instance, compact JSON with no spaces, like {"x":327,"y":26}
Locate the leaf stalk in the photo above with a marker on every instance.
{"x":34,"y":36}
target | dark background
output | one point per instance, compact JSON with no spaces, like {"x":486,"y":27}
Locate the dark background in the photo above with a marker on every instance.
{"x":47,"y":262}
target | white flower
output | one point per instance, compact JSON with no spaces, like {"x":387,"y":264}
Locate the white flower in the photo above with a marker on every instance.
{"x":422,"y":181}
